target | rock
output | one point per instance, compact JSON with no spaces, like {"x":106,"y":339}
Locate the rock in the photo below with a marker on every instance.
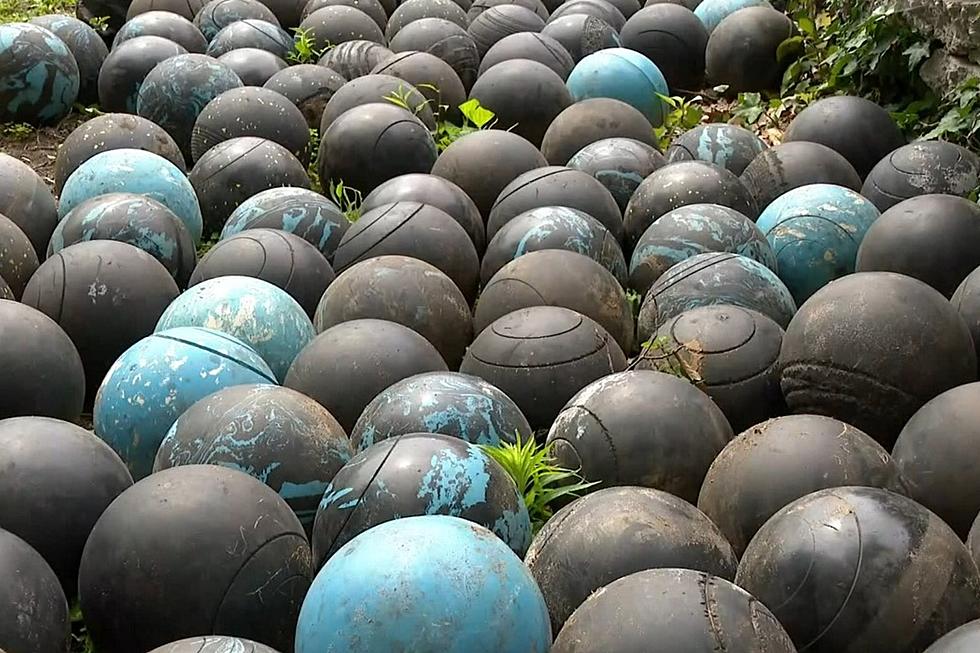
{"x":954,"y":22}
{"x":944,"y":72}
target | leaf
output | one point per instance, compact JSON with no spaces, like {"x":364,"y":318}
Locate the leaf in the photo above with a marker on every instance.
{"x":475,"y":113}
{"x":807,"y":26}
{"x":789,"y":49}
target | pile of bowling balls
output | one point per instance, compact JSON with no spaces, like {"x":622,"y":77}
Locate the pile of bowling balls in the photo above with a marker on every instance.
{"x":368,"y":326}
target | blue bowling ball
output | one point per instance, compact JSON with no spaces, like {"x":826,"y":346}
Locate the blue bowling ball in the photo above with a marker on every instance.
{"x":256,"y":312}
{"x":160,"y":377}
{"x":134,"y":171}
{"x":39,"y":78}
{"x":553,"y":227}
{"x":729,"y":146}
{"x":85,"y":45}
{"x":428,"y":583}
{"x":816,"y":231}
{"x":712,"y":12}
{"x":624,"y":75}
{"x":695,"y":229}
{"x":449,"y":403}
{"x":299,"y":211}
{"x":218,"y":14}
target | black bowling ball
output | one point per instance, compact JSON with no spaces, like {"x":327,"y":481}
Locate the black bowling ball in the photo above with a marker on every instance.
{"x":124,"y":70}
{"x":18,"y":260}
{"x":33,"y":609}
{"x":413,"y":10}
{"x":218,"y":14}
{"x":791,"y":165}
{"x":373,"y":8}
{"x":432,"y":77}
{"x":964,"y":639}
{"x":582,"y":34}
{"x":444,"y":39}
{"x":529,"y":45}
{"x":742,"y":50}
{"x":339,"y":23}
{"x":251,"y":33}
{"x":307,"y":86}
{"x":372,"y":89}
{"x":922,"y":168}
{"x":165,"y":24}
{"x":186,"y":8}
{"x":966,"y":300}
{"x":598,"y":8}
{"x":672,"y":37}
{"x":502,"y":20}
{"x":253,"y":66}
{"x":479,"y":6}
{"x":353,"y":59}
{"x":592,"y":120}
{"x":250,"y":111}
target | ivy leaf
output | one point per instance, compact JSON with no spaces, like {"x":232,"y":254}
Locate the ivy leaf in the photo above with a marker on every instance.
{"x":475,"y":113}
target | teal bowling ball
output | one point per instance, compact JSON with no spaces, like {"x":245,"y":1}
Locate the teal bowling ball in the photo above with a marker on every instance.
{"x":256,"y":312}
{"x":729,"y":146}
{"x":160,"y":377}
{"x":712,"y":12}
{"x":134,"y":171}
{"x":623,"y":75}
{"x":39,"y":77}
{"x":815,"y":232}
{"x":460,"y":590}
{"x":85,"y":44}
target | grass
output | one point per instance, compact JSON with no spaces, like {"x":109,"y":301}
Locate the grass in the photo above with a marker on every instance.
{"x":20,"y":11}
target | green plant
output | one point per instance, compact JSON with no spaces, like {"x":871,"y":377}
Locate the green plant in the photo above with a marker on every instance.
{"x":99,"y":23}
{"x":206,"y":244}
{"x":312,"y":152}
{"x":475,"y":118}
{"x":402,"y":97}
{"x":17,"y":130}
{"x":81,"y":641}
{"x":20,"y":11}
{"x":304,"y":47}
{"x":348,"y":199}
{"x":682,"y":114}
{"x":539,"y":479}
{"x":683,"y":363}
{"x":635,"y":299}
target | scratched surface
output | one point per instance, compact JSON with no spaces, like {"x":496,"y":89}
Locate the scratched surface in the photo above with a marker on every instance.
{"x":38,"y":75}
{"x":729,"y":146}
{"x":391,"y":590}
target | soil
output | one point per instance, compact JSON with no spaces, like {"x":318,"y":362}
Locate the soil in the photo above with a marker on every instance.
{"x":38,"y":148}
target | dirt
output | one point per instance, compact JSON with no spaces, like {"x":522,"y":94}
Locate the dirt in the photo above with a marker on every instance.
{"x":38,"y":147}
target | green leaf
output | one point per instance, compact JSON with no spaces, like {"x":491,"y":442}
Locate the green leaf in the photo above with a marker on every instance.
{"x":807,"y":26}
{"x":789,"y":49}
{"x":475,"y":113}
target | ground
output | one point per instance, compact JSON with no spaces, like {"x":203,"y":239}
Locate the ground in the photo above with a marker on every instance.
{"x":38,"y":147}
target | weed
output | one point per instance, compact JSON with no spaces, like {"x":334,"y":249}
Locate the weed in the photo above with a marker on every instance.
{"x":304,"y":47}
{"x":348,"y":199}
{"x":206,"y":244}
{"x":475,"y":118}
{"x":19,"y":131}
{"x":540,"y":481}
{"x":635,"y":299}
{"x":681,"y":116}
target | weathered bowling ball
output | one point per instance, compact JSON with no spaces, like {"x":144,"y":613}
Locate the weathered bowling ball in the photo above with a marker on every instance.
{"x":129,"y":170}
{"x":858,"y":129}
{"x":124,"y":70}
{"x":432,"y":77}
{"x":523,"y":94}
{"x":553,"y":227}
{"x":541,"y":356}
{"x":621,"y":74}
{"x":373,"y":89}
{"x":34,"y":608}
{"x":933,"y":453}
{"x":164,"y":24}
{"x":626,"y":7}
{"x":112,"y":131}
{"x":173,"y":369}
{"x":966,"y":300}
{"x":18,"y":260}
{"x":277,"y":435}
{"x":598,"y":8}
{"x":186,"y":8}
{"x":402,"y":476}
{"x":213,"y":644}
{"x":112,"y":284}
{"x":695,"y":229}
{"x":480,"y":6}
{"x":729,"y":146}
{"x":253,"y":66}
{"x":616,"y":532}
{"x":851,"y":371}
{"x":620,"y":164}
{"x":353,"y":59}
{"x":742,"y":51}
{"x":404,"y":290}
{"x":58,"y":479}
{"x":26,"y":200}
{"x":857,"y":544}
{"x":373,"y":8}
{"x":641,"y":428}
{"x":712,"y":12}
{"x":417,"y":230}
{"x":309,"y":87}
{"x":486,"y":161}
{"x":444,"y":39}
{"x":778,"y":461}
{"x":173,"y":531}
{"x":589,"y":121}
{"x":922,"y":168}
{"x":673,"y":38}
{"x":250,"y":111}
{"x":175,"y":92}
{"x":816,"y":231}
{"x":502,"y":20}
{"x":556,"y":186}
{"x":217,"y":14}
{"x":279,"y":257}
{"x":261,"y":315}
{"x":945,"y":226}
{"x":235,"y":170}
{"x":714,"y":278}
{"x":730,"y":353}
{"x":681,"y":609}
{"x":782,"y":168}
{"x":963,"y":639}
{"x":372,"y":143}
{"x":682,"y":184}
{"x":448,"y":403}
{"x":487,"y":599}
{"x":41,"y":78}
{"x":86,"y":46}
{"x":558,"y":277}
{"x":434,"y":191}
{"x":299,"y":211}
{"x":251,"y":33}
{"x":339,"y":23}
{"x":382,"y":352}
{"x":582,"y":34}
{"x":529,"y":45}
{"x":413,"y":10}
{"x":43,"y":371}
